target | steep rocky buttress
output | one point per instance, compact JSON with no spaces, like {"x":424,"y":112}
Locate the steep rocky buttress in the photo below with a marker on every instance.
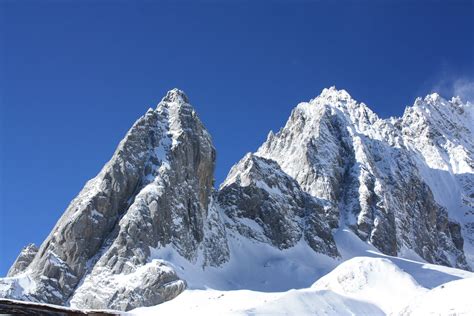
{"x":156,"y":190}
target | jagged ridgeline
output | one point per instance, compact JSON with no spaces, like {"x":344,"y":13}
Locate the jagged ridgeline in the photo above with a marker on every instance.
{"x":151,"y":222}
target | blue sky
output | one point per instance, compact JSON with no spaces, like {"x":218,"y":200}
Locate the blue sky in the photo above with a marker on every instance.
{"x":74,"y":76}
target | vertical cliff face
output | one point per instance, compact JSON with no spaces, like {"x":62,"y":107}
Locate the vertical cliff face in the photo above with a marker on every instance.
{"x":170,"y":208}
{"x":440,"y":134}
{"x":155,"y":191}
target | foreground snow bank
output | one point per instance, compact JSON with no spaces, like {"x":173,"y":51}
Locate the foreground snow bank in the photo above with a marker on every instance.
{"x":426,"y":274}
{"x":255,"y":266}
{"x":360,"y":286}
{"x":452,"y":298}
{"x":366,"y":283}
{"x":244,"y":302}
{"x":374,"y":280}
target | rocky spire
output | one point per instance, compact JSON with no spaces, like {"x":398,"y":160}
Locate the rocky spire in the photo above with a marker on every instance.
{"x":258,"y":191}
{"x":177,"y":96}
{"x":154,"y":192}
{"x":23,"y":260}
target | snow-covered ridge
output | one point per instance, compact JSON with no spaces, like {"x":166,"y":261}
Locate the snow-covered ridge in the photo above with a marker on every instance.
{"x":452,"y":298}
{"x":440,"y":135}
{"x":341,"y":152}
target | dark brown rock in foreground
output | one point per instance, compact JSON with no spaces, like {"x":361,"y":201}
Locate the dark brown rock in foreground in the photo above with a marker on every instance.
{"x":28,"y":308}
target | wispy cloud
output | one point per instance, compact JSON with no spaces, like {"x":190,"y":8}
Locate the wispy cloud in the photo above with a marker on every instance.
{"x":450,"y":86}
{"x":464,"y":88}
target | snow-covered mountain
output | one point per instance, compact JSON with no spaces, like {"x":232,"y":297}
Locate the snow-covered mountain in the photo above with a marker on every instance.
{"x":440,"y":134}
{"x":336,"y":182}
{"x":370,"y":177}
{"x":155,"y":191}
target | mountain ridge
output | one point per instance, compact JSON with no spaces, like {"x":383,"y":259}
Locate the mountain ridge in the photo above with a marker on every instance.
{"x":368,"y":141}
{"x":152,"y":215}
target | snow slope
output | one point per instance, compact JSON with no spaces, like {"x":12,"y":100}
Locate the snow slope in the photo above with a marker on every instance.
{"x":426,"y":274}
{"x":254,"y":265}
{"x":363,"y":282}
{"x":452,"y":298}
{"x":359,"y":286}
{"x":374,"y":280}
{"x":295,"y":302}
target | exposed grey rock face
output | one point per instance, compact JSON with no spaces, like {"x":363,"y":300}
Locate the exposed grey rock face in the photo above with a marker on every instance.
{"x":23,"y":260}
{"x":440,"y":135}
{"x":155,"y":191}
{"x":256,"y":189}
{"x":340,"y":152}
{"x":169,"y":208}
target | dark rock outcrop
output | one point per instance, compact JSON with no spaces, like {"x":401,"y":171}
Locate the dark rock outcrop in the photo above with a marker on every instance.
{"x":256,"y":189}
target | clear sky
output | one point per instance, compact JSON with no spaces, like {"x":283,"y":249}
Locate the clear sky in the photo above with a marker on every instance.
{"x":75,"y":75}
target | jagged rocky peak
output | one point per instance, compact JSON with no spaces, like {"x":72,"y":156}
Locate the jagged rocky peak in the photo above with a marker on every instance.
{"x":343,"y":154}
{"x":312,"y":145}
{"x":341,"y":100}
{"x":176,"y":95}
{"x":170,"y":208}
{"x":155,"y":191}
{"x":23,"y":260}
{"x":435,"y":100}
{"x":256,"y":189}
{"x":440,"y":136}
{"x":256,"y":171}
{"x":334,"y":94}
{"x":451,"y":118}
